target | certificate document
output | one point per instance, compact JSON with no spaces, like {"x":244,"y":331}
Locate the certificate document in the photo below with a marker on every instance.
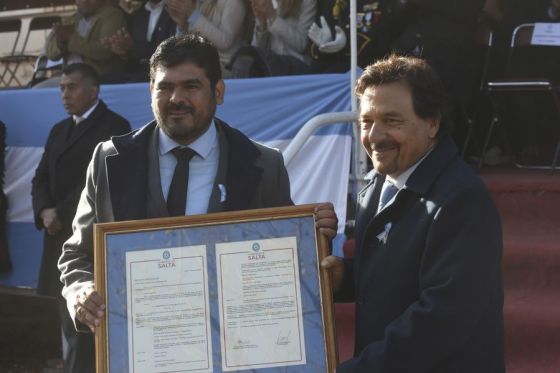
{"x":168,"y":311}
{"x":261,"y":321}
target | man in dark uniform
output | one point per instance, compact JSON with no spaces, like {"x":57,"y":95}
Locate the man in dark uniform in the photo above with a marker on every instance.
{"x":377,"y":22}
{"x":60,"y":178}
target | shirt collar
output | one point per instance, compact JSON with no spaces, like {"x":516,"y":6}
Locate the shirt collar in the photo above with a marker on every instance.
{"x":202,"y":145}
{"x":400,"y":181}
{"x":88,"y":112}
{"x":150,"y":7}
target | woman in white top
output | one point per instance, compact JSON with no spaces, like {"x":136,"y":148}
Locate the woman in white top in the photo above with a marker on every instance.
{"x":281,"y":27}
{"x":220,"y":21}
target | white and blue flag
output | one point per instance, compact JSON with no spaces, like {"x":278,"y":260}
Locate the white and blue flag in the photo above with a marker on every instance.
{"x":268,"y":110}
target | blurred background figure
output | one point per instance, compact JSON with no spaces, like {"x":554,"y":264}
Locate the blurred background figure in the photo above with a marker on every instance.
{"x":148,"y":25}
{"x":79,"y":39}
{"x":219,"y":21}
{"x":279,"y":43}
{"x":440,"y":31}
{"x":330,"y":34}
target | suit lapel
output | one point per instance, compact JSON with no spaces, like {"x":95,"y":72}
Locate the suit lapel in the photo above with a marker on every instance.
{"x":164,"y":24}
{"x":242,"y":176}
{"x":368,"y":200}
{"x":143,"y":25}
{"x":60,"y":141}
{"x":69,"y":127}
{"x":216,"y":202}
{"x":80,"y":129}
{"x":156,"y":206}
{"x":127,"y":172}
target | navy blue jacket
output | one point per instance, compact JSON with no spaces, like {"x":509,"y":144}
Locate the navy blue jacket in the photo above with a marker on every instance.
{"x":429,"y":297}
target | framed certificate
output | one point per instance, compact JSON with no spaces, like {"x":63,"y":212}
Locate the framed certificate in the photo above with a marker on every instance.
{"x":224,"y":292}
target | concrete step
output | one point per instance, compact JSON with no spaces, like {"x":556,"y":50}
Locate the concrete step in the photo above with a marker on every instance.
{"x":529,"y":195}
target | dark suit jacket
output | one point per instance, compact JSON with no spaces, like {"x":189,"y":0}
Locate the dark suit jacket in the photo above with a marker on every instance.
{"x":142,"y":49}
{"x":242,"y":172}
{"x":124,"y":184}
{"x":60,"y":178}
{"x":428,"y":298}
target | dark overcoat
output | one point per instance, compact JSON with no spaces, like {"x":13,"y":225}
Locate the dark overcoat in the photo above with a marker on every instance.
{"x":60,"y":178}
{"x":426,"y":276}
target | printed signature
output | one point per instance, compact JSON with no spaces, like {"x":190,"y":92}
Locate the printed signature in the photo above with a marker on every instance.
{"x":283,"y":340}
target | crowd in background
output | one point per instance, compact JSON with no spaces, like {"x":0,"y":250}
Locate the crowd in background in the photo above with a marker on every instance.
{"x":285,"y":37}
{"x":257,"y":38}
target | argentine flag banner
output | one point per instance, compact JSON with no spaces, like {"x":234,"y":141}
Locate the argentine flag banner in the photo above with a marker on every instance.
{"x":268,"y":110}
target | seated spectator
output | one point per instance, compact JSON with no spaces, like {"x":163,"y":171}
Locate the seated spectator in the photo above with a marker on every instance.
{"x":330,"y":34}
{"x":440,"y":31}
{"x":149,"y":25}
{"x":219,"y":21}
{"x":129,"y":6}
{"x":280,"y":38}
{"x":79,"y":39}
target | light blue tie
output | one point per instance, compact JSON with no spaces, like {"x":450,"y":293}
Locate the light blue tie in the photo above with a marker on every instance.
{"x":387,"y":193}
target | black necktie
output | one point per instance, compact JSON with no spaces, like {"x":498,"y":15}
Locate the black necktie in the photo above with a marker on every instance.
{"x":177,"y":196}
{"x":75,"y":123}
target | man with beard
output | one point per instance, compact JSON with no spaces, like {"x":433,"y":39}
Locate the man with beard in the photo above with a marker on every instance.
{"x":136,"y":176}
{"x":426,"y":275}
{"x":58,"y":182}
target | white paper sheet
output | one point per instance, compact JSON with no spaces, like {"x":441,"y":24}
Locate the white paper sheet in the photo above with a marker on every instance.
{"x":168,"y":310}
{"x":261,"y":321}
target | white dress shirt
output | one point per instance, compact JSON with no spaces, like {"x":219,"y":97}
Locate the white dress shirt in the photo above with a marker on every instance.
{"x":155,"y":11}
{"x":203,"y":168}
{"x":400,"y":181}
{"x":84,"y":116}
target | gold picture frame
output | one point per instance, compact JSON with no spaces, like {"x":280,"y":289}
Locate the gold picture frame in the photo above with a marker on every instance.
{"x":237,"y":290}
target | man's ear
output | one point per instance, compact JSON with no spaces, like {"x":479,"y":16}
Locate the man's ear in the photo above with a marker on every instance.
{"x":220,"y":91}
{"x":94,"y":93}
{"x":435,"y":123}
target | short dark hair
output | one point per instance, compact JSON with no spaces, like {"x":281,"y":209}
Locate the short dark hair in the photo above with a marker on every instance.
{"x":191,"y":48}
{"x":87,"y":72}
{"x":428,"y":94}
